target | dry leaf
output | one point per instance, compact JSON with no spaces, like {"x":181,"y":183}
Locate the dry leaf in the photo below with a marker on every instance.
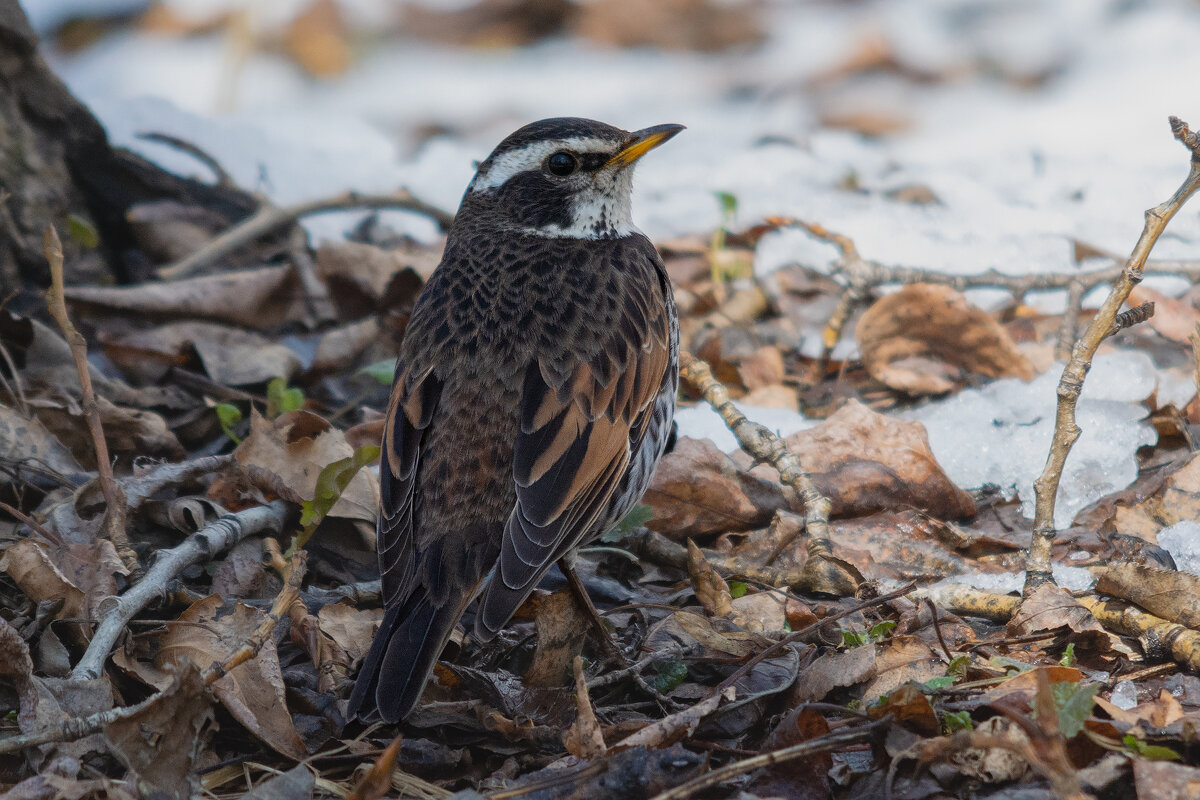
{"x":925,"y":338}
{"x":561,"y":633}
{"x":835,"y":669}
{"x":296,"y":446}
{"x":711,"y":589}
{"x":866,"y":462}
{"x":584,"y":738}
{"x":25,"y":440}
{"x":698,"y":490}
{"x":1169,"y":594}
{"x":262,"y":299}
{"x":669,"y":24}
{"x":1177,"y":500}
{"x":253,"y":692}
{"x":1162,"y":780}
{"x":352,"y":628}
{"x":231,"y":356}
{"x":1051,"y":607}
{"x":160,"y":743}
{"x":316,"y":40}
{"x":900,"y":660}
{"x":910,"y":707}
{"x":1174,"y":318}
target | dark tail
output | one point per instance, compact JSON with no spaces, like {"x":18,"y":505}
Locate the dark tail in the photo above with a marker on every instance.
{"x":402,"y":656}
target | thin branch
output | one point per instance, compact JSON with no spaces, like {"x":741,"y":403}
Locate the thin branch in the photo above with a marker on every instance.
{"x":223,"y":178}
{"x":1066,"y":431}
{"x":33,"y":524}
{"x":269,"y":218}
{"x":823,"y":571}
{"x":290,"y":593}
{"x":213,"y":538}
{"x":114,"y":497}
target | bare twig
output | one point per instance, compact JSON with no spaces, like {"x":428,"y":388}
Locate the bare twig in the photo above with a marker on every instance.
{"x":1069,"y":327}
{"x":823,"y":571}
{"x":290,"y":593}
{"x":223,"y":178}
{"x":114,"y":496}
{"x":819,"y":744}
{"x":269,"y":218}
{"x":71,"y":729}
{"x":213,"y":538}
{"x":33,"y":524}
{"x":1066,"y":431}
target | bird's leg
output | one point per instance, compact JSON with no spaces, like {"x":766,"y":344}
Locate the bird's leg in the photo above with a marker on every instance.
{"x":612,"y":653}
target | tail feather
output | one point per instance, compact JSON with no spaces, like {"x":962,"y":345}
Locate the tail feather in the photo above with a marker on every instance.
{"x":401,"y":658}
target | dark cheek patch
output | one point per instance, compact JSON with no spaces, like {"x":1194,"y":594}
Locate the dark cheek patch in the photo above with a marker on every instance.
{"x":533,"y":199}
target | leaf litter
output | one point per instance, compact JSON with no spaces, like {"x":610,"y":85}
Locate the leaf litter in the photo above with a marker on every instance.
{"x":734,"y":685}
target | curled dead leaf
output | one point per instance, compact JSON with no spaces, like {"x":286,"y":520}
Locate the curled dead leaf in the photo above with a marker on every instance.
{"x":925,"y":338}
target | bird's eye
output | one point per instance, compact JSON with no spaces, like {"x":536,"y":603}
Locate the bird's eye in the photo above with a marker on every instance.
{"x":562,"y":164}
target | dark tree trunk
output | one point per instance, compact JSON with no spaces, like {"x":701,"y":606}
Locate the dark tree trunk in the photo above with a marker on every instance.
{"x":56,"y":167}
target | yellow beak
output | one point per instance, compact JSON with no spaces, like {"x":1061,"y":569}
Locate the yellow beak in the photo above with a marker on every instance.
{"x":642,"y":142}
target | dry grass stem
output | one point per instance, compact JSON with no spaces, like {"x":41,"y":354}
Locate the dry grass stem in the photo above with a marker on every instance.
{"x":114,"y":496}
{"x":1066,"y":431}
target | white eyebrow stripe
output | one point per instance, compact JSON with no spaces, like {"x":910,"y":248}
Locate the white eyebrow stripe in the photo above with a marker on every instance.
{"x":531,"y":156}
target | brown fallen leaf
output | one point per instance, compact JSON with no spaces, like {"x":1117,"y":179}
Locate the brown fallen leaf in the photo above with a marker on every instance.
{"x":925,"y":338}
{"x":159,"y":744}
{"x":698,"y":490}
{"x":360,"y":276}
{"x":230,"y":356}
{"x":800,"y":778}
{"x":129,"y":432}
{"x":316,"y":39}
{"x":253,"y":692}
{"x":1178,"y":499}
{"x":1174,"y":318}
{"x":1156,"y":714}
{"x":1051,"y":607}
{"x":263,"y":299}
{"x":1170,"y":594}
{"x":834,"y":669}
{"x":584,"y":738}
{"x":561,"y":633}
{"x":1162,"y":780}
{"x":910,"y":707}
{"x":296,"y":446}
{"x":711,"y":589}
{"x":25,"y":440}
{"x":761,"y":369}
{"x":352,"y":628}
{"x":866,"y":462}
{"x":900,"y":660}
{"x":995,"y":764}
{"x":378,"y":779}
{"x":670,"y":24}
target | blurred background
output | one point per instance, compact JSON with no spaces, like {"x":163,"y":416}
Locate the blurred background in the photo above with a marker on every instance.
{"x":949,"y":134}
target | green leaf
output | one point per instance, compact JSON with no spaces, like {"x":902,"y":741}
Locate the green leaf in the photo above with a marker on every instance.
{"x":228,"y":415}
{"x":852,"y":639}
{"x":957,"y":721}
{"x":937,"y":684}
{"x":82,"y":232}
{"x":1068,"y":656}
{"x":1073,"y":702}
{"x":638,"y":516}
{"x":382,"y":371}
{"x":1153,"y":752}
{"x":958,"y":667}
{"x":880,"y":629}
{"x":729,"y":204}
{"x":670,"y":675}
{"x":282,"y":398}
{"x":332,"y":481}
{"x":737,"y":589}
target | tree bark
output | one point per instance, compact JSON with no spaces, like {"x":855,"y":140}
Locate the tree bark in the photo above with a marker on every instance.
{"x":57,"y":167}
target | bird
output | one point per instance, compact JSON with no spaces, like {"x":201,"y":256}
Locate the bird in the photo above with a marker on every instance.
{"x":533,"y":395}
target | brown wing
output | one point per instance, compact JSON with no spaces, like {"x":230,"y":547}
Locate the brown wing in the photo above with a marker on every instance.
{"x":410,"y":410}
{"x":581,"y":417}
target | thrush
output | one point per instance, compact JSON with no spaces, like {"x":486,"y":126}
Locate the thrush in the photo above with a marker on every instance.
{"x":533,"y":395}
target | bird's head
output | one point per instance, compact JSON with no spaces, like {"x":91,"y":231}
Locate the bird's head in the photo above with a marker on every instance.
{"x":565,"y":177}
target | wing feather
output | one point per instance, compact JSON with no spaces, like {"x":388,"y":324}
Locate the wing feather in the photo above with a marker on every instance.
{"x":582,"y":416}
